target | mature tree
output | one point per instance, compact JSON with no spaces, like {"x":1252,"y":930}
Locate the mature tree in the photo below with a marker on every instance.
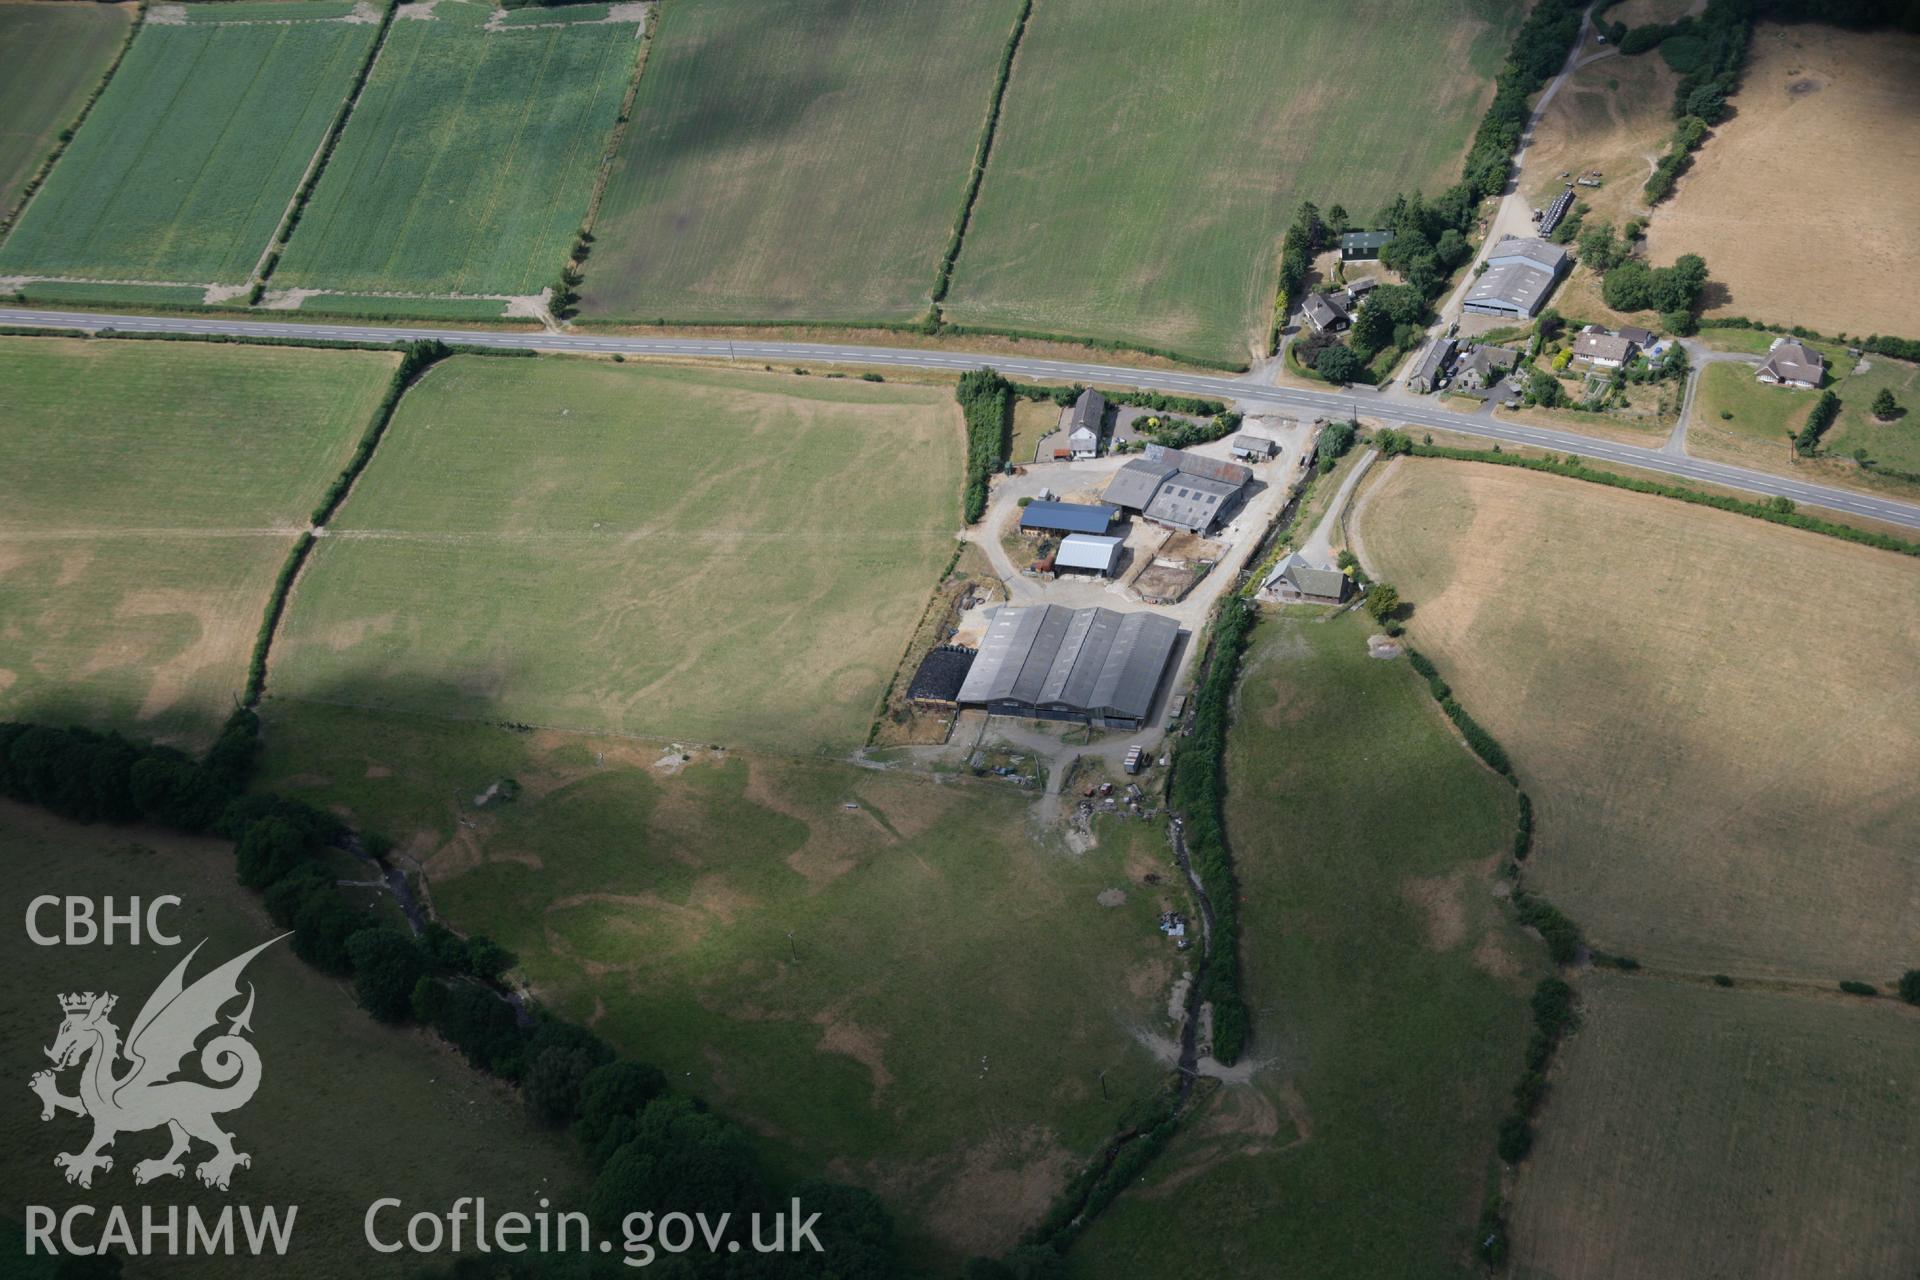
{"x":321,"y":928}
{"x":386,"y":966}
{"x":1382,"y":600}
{"x":1549,"y":323}
{"x":1545,"y":389}
{"x":1372,"y":328}
{"x":269,"y":849}
{"x":1599,"y":249}
{"x":613,"y":1094}
{"x":1339,"y":365}
{"x":1910,"y":986}
{"x":855,"y":1233}
{"x":680,"y":1158}
{"x":1404,"y":304}
{"x":1452,"y":249}
{"x":1885,"y":407}
{"x":487,"y":959}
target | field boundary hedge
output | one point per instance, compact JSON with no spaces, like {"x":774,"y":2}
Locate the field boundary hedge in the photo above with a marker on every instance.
{"x":66,"y":135}
{"x":943,"y":278}
{"x":986,"y":401}
{"x":1197,"y":787}
{"x":1774,"y":511}
{"x":1878,"y":344}
{"x":269,"y":258}
{"x":922,"y":328}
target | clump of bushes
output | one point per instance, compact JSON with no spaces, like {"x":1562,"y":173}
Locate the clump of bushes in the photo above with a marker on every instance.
{"x":986,"y":402}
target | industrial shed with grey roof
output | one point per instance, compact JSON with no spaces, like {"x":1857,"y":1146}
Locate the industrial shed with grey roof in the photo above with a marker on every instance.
{"x":1520,"y":274}
{"x":1055,"y":663}
{"x":1185,"y":490}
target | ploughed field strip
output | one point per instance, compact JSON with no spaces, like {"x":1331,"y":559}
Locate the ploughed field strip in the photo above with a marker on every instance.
{"x":700,"y":553}
{"x":189,"y":159}
{"x":151,"y":493}
{"x":1145,"y":167}
{"x":795,"y":159}
{"x":51,"y":57}
{"x":469,"y":160}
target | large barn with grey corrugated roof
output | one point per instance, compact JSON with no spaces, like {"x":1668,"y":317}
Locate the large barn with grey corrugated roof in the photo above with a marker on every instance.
{"x":1055,"y":663}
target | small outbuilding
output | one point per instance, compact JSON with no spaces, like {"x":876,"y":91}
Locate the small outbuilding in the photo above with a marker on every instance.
{"x":1066,"y":517}
{"x":1432,"y":365}
{"x":1254,"y":448}
{"x":1297,"y":579}
{"x":1363,"y":246}
{"x":1089,"y":553}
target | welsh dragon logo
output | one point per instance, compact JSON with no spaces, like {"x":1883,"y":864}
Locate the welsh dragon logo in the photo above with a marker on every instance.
{"x":145,"y":1095}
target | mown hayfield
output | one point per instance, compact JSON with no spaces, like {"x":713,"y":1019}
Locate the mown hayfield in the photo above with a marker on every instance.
{"x":1693,"y":1131}
{"x":882,"y":978}
{"x":1716,"y":717}
{"x":803,"y":159}
{"x":51,"y":57}
{"x":469,"y":159}
{"x":1149,"y":159}
{"x":1387,"y":987}
{"x":149,"y":493}
{"x":348,"y":1110}
{"x":721,"y":556}
{"x":187,"y":162}
{"x":1850,"y":98}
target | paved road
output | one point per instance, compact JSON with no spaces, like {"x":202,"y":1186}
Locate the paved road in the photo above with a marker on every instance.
{"x":1412,"y":411}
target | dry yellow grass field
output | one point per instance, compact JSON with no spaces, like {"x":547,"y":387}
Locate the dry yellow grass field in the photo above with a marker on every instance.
{"x":1827,"y":127}
{"x":1693,"y":1132}
{"x":1612,"y":115}
{"x":1716,"y":717}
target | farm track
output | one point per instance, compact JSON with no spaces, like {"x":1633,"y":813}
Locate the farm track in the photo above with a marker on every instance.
{"x":1251,"y":395}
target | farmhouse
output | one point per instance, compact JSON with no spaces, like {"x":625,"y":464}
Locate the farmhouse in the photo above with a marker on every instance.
{"x":1357,"y":246}
{"x":1520,"y":274}
{"x":1792,"y":364}
{"x":1055,"y":663}
{"x":1256,"y":448}
{"x":1431,"y":367}
{"x":1595,"y":346}
{"x":1296,"y":578}
{"x":1484,"y":366}
{"x":1085,"y":421}
{"x":1178,"y":489}
{"x":1066,"y":517}
{"x":1326,"y":312}
{"x":1089,"y":553}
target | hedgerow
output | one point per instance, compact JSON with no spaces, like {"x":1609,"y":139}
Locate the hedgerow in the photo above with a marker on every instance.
{"x":1774,"y":511}
{"x":985,"y":401}
{"x":1197,"y":789}
{"x":943,"y":279}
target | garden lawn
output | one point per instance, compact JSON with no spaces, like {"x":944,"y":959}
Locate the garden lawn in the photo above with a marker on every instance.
{"x":469,"y":160}
{"x":149,"y":493}
{"x":190,"y":157}
{"x":884,"y":979}
{"x":1387,"y":988}
{"x":795,"y":159}
{"x":703,"y":554}
{"x":51,"y":57}
{"x":1149,"y":159}
{"x":348,"y":1110}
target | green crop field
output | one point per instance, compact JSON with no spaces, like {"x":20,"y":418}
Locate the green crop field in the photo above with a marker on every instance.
{"x":1148,"y":160}
{"x":1721,"y":763}
{"x":798,"y":159}
{"x":469,"y":159}
{"x":1698,"y":1132}
{"x":190,"y":157}
{"x":1388,"y":990}
{"x":149,"y":492}
{"x":348,"y":1110}
{"x":51,"y":57}
{"x":878,"y":975}
{"x":721,"y":556}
